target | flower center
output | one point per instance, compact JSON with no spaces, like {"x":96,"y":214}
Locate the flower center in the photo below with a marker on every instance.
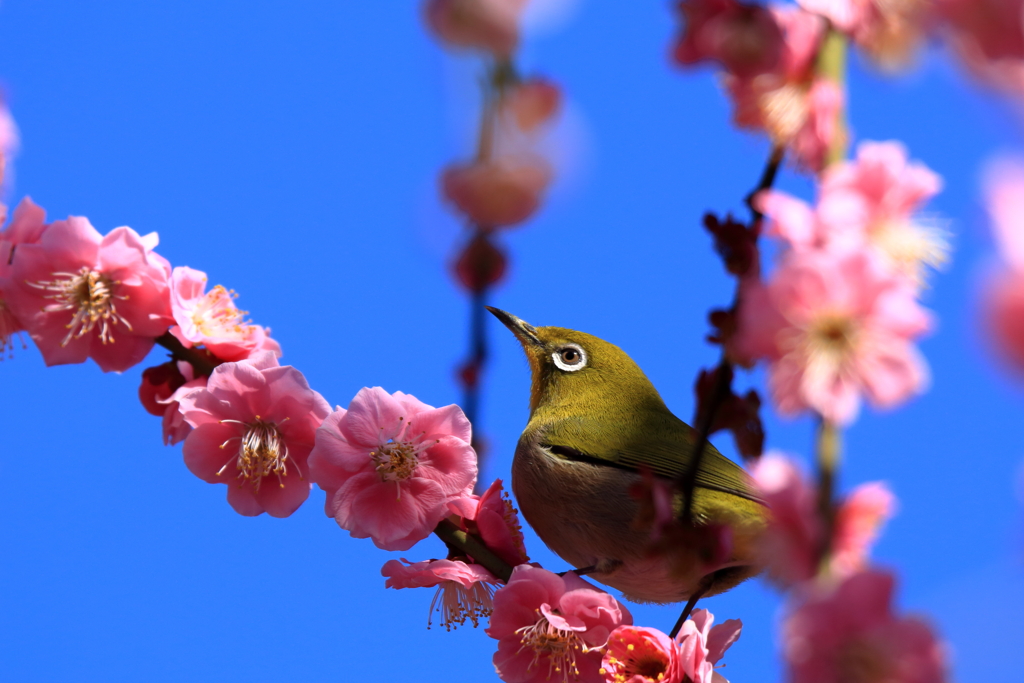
{"x":457,"y":604}
{"x":395,"y":460}
{"x":785,"y":111}
{"x":216,"y":314}
{"x":912,"y":246}
{"x":90,"y":295}
{"x":641,"y":659}
{"x":560,"y":647}
{"x":262,"y":452}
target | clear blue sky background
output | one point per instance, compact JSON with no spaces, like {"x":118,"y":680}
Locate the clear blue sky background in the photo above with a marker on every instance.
{"x":290,"y":150}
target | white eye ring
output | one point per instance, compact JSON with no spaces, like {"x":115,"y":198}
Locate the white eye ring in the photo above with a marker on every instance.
{"x":570,"y":364}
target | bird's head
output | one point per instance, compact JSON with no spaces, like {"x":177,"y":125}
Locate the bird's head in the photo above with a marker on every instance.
{"x":577,"y":373}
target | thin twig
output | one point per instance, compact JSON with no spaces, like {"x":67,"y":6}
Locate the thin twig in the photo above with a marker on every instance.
{"x":828,"y":463}
{"x":723,"y":373}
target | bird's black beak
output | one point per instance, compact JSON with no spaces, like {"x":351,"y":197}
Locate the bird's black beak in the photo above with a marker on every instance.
{"x":524,"y":331}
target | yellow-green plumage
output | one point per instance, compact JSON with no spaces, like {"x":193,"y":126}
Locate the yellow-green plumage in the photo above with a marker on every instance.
{"x":594,"y":426}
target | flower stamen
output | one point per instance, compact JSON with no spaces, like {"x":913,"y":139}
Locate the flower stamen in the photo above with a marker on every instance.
{"x":91,"y":296}
{"x":560,"y":646}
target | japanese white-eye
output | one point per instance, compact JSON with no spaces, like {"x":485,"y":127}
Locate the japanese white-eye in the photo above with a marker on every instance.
{"x":596,"y":425}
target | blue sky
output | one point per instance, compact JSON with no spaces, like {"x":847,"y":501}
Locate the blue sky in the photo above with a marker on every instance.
{"x":290,"y":151}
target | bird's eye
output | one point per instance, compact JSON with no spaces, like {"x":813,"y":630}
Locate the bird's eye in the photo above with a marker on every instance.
{"x":570,"y":358}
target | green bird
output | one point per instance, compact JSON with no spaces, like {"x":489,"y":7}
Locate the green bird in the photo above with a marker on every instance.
{"x":596,"y":424}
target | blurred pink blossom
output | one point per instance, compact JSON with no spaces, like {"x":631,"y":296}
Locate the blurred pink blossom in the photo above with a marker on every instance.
{"x":533,"y":102}
{"x":10,"y":143}
{"x":888,"y":30}
{"x":989,"y":36}
{"x":794,"y":538}
{"x":497,"y":193}
{"x":464,"y":591}
{"x":744,"y":38}
{"x":637,"y":654}
{"x":211,"y":319}
{"x":552,"y":627}
{"x":1003,"y":289}
{"x":849,"y":634}
{"x":78,"y":292}
{"x":491,"y":25}
{"x":255,"y":424}
{"x":834,"y":326}
{"x":797,"y":110}
{"x":390,"y":464}
{"x":870,"y":201}
{"x":492,"y":517}
{"x":701,"y":647}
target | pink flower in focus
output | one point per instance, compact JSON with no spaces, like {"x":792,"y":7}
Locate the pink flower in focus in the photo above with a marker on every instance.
{"x":390,"y":464}
{"x":834,"y":326}
{"x":491,"y":25}
{"x":636,"y":654}
{"x":211,"y":319}
{"x":793,"y":539}
{"x":493,"y":518}
{"x":1003,"y":290}
{"x":464,"y":591}
{"x":701,"y":647}
{"x":255,"y":424}
{"x":552,"y":627}
{"x":848,"y":634}
{"x":796,"y":109}
{"x":745,"y":39}
{"x":498,"y":193}
{"x":158,"y":383}
{"x":77,"y":293}
{"x":175,"y":428}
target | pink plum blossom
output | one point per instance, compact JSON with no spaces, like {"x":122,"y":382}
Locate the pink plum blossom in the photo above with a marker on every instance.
{"x":646,"y":655}
{"x":254,"y":427}
{"x":637,"y":654}
{"x":794,"y":538}
{"x":744,"y":38}
{"x":701,"y":647}
{"x":495,"y":521}
{"x":497,"y":193}
{"x":26,"y":227}
{"x":834,"y":326}
{"x":550,"y":627}
{"x":464,"y":591}
{"x":889,"y":30}
{"x":491,"y":25}
{"x":211,"y":319}
{"x":1003,"y":289}
{"x":175,"y":428}
{"x":870,"y":201}
{"x":390,"y":465}
{"x":78,"y":292}
{"x":849,"y":634}
{"x":798,"y":110}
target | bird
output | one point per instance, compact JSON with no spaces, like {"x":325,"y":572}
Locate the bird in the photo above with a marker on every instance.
{"x":597,"y":428}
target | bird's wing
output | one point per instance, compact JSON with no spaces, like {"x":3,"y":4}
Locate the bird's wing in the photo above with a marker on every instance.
{"x":665,"y":448}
